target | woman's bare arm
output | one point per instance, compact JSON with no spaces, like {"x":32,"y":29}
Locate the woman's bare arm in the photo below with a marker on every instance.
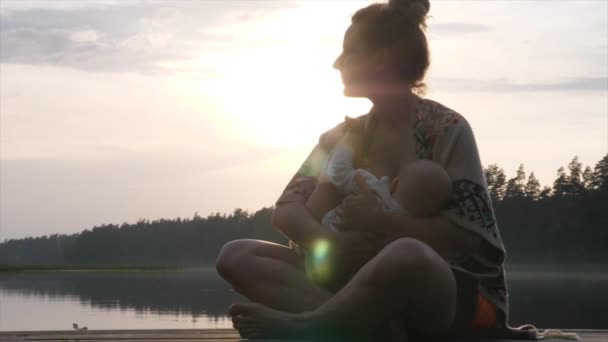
{"x":324,"y":198}
{"x":441,"y":234}
{"x":300,"y":222}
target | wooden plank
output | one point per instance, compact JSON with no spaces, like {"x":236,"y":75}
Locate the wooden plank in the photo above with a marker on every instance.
{"x":217,"y":335}
{"x":584,"y":337}
{"x":133,"y":340}
{"x":136,"y":340}
{"x":150,"y":337}
{"x":122,"y":331}
{"x":120,"y":335}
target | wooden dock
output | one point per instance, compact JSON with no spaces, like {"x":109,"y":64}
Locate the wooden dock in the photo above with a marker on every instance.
{"x":206,"y":335}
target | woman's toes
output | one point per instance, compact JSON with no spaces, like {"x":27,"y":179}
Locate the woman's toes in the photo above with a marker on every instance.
{"x":242,"y":308}
{"x":234,"y":310}
{"x":242,"y":318}
{"x":244,"y":324}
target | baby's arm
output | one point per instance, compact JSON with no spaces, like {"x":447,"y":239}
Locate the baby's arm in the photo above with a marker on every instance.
{"x":339,"y":169}
{"x":368,"y":195}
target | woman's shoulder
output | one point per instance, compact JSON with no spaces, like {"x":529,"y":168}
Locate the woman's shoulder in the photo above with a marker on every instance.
{"x":330,"y":138}
{"x":435,"y":120}
{"x":438,"y":116}
{"x":437,"y":128}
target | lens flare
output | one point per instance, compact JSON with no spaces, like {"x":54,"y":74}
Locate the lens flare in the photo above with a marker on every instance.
{"x":321,"y":250}
{"x":319,"y":266}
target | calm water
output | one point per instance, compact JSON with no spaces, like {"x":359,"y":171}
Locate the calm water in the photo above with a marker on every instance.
{"x":198,"y":298}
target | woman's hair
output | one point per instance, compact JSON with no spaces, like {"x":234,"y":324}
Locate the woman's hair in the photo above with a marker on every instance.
{"x":399,"y":25}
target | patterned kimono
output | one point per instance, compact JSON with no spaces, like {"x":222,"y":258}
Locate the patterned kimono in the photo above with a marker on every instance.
{"x":445,"y":137}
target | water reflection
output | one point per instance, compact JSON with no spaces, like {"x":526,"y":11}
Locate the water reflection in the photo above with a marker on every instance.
{"x":179,"y":295}
{"x":198,"y":298}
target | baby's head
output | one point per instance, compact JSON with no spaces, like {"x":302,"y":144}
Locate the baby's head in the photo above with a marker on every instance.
{"x":423,"y":188}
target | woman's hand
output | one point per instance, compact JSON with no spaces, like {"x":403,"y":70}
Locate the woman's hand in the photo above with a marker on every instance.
{"x":359,"y":211}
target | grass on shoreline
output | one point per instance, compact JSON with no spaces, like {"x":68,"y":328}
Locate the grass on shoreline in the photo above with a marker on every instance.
{"x":20,"y":268}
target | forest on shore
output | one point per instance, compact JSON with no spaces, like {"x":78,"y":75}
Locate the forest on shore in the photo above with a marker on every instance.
{"x":566,"y":223}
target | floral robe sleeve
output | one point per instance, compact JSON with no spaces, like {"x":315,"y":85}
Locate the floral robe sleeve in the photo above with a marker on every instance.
{"x":302,"y":184}
{"x":310,"y":172}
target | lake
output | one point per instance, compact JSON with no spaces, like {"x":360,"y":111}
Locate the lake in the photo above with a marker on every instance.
{"x":198,"y":298}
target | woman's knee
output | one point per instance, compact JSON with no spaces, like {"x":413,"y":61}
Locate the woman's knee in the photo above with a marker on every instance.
{"x":421,"y":274}
{"x":406,"y":260}
{"x":232,"y":257}
{"x":408,"y":254}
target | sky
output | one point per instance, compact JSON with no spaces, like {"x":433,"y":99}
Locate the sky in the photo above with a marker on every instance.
{"x":114,"y":111}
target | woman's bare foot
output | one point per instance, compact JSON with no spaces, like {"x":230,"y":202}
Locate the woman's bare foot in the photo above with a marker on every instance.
{"x":254,"y":320}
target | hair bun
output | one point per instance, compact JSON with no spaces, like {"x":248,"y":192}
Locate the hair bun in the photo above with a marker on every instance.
{"x":414,"y":10}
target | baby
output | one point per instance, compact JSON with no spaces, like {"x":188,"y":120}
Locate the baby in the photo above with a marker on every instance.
{"x":420,"y":190}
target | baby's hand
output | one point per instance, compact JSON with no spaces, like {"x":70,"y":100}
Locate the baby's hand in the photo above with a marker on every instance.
{"x":359,"y":211}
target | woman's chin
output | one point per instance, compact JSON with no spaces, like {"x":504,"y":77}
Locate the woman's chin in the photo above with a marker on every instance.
{"x":353,"y":91}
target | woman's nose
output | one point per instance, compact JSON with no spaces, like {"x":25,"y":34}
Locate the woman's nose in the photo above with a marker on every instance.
{"x":338,"y":62}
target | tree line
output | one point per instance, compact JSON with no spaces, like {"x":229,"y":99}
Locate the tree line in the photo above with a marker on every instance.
{"x":564,"y":223}
{"x":181,"y":241}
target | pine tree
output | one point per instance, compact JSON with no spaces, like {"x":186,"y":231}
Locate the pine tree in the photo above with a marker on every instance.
{"x":516,"y":186}
{"x":575,"y":182}
{"x":588,"y":178}
{"x":532,"y":190}
{"x":495,"y":177}
{"x":560,"y":185}
{"x":545,"y":193}
{"x":600,"y":174}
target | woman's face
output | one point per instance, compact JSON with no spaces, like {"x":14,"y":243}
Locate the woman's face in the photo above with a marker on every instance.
{"x":361,"y":68}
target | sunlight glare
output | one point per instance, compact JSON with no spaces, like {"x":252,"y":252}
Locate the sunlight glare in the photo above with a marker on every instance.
{"x":287,"y":93}
{"x":320,"y":264}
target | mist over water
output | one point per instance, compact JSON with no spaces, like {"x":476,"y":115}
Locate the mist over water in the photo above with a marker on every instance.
{"x":198,"y":298}
{"x":573,"y":297}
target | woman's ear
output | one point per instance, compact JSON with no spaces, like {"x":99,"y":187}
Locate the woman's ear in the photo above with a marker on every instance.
{"x":382,"y":58}
{"x":383,"y":64}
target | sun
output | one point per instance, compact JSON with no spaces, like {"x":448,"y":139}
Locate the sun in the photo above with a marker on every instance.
{"x":276,"y":97}
{"x":283,"y":93}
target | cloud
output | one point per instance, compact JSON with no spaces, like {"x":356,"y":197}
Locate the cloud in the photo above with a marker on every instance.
{"x":143,"y":37}
{"x":505,"y":85}
{"x":58,"y":4}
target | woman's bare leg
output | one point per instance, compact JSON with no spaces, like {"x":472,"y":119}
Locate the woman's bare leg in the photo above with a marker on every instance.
{"x":270,"y":274}
{"x":406,"y":278}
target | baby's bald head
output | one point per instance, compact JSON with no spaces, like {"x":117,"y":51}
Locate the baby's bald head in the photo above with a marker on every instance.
{"x":423,"y":188}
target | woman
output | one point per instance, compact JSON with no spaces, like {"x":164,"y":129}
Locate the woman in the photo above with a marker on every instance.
{"x":441,"y":275}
